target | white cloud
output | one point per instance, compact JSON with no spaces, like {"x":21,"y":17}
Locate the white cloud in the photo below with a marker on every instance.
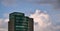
{"x":6,"y":20}
{"x":41,"y":18}
{"x":1,"y":20}
{"x":42,"y":22}
{"x":6,"y":17}
{"x":3,"y":29}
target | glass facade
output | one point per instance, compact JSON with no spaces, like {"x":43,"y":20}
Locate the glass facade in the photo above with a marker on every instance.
{"x":19,"y":22}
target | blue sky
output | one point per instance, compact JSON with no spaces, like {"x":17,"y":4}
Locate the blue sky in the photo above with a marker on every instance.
{"x":27,"y":7}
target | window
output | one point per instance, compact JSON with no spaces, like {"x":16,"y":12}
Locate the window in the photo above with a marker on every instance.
{"x":19,"y":26}
{"x":20,"y":29}
{"x":19,"y":18}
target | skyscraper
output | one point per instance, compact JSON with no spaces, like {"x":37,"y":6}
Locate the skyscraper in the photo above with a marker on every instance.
{"x":19,"y":22}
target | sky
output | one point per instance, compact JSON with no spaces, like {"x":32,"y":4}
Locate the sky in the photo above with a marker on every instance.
{"x":46,"y":13}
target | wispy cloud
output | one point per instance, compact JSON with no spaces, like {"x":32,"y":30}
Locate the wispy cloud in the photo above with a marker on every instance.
{"x":9,"y":2}
{"x":15,"y":3}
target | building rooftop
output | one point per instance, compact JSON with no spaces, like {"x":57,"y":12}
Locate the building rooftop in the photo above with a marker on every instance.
{"x":17,"y":13}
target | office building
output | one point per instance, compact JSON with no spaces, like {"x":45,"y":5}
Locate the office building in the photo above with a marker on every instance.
{"x":19,"y":22}
{"x":30,"y":24}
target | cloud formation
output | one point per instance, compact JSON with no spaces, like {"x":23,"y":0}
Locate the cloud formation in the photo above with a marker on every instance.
{"x":2,"y":29}
{"x":6,"y":20}
{"x":1,"y":20}
{"x":41,"y":18}
{"x":3,"y":24}
{"x":42,"y":22}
